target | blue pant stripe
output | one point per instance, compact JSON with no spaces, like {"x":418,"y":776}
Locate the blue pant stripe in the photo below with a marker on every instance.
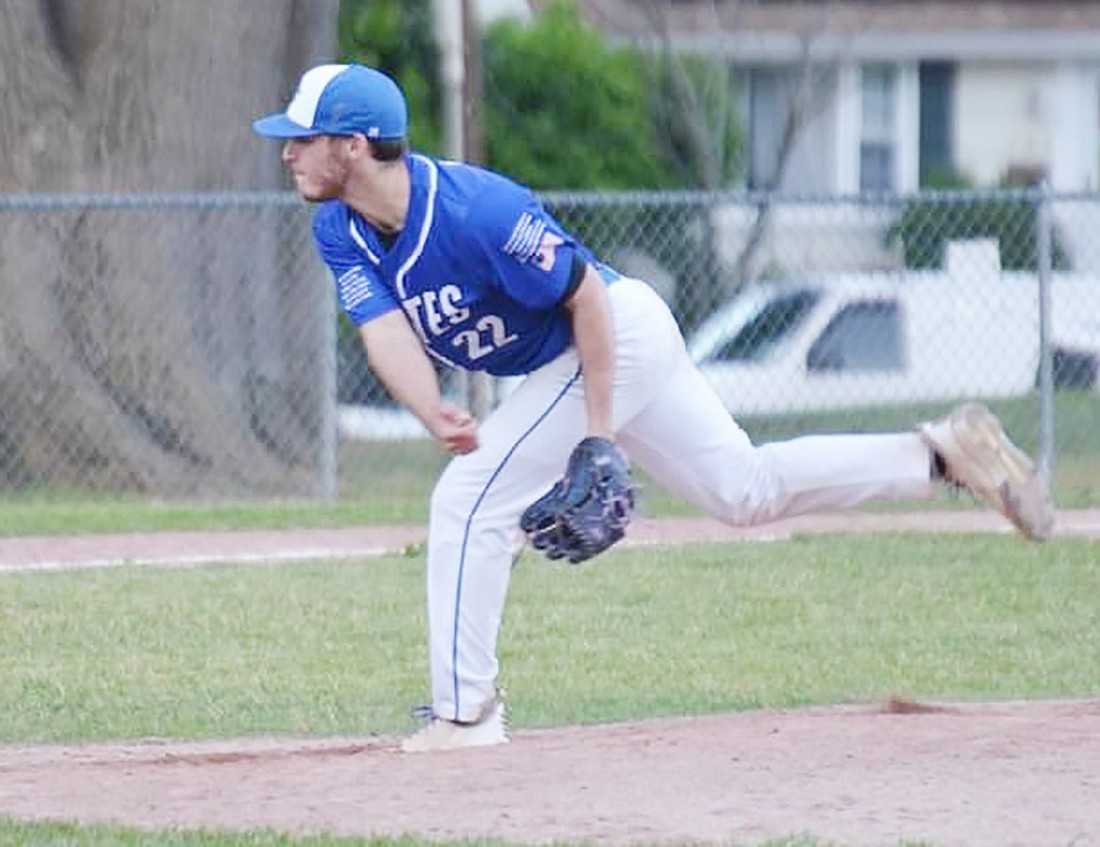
{"x":470,"y":520}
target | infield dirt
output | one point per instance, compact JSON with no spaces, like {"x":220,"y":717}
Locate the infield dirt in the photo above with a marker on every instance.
{"x":941,"y":773}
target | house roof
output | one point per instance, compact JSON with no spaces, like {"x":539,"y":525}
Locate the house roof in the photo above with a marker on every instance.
{"x":779,"y":30}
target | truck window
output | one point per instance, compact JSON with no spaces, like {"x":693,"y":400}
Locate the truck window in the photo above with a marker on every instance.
{"x":757,"y":338}
{"x":862,"y":337}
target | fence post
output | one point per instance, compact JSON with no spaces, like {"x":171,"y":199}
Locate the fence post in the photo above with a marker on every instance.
{"x":1046,"y":363}
{"x":328,"y":443}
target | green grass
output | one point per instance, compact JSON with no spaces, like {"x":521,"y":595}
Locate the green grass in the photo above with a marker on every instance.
{"x":379,"y":483}
{"x":391,"y":482}
{"x":82,"y":514}
{"x":67,"y":835}
{"x":337,"y":648}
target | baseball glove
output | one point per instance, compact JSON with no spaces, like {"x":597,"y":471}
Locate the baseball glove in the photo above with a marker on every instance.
{"x":586,"y":511}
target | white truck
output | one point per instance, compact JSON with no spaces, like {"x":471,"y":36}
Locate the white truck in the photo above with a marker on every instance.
{"x":844,"y":341}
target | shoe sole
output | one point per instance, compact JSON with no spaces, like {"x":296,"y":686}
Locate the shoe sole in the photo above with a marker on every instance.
{"x":1000,"y":473}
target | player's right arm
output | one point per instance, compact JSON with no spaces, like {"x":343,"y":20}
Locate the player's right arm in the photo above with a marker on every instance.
{"x":395,"y":352}
{"x":397,"y":357}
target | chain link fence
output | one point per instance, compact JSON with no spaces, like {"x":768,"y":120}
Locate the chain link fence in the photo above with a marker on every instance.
{"x":188,"y":346}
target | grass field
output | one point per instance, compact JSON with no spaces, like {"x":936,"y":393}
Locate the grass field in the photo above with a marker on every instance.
{"x":335,"y":648}
{"x":389,"y":482}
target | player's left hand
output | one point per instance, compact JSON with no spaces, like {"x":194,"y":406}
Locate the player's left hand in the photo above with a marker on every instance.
{"x":586,"y":511}
{"x":455,"y":429}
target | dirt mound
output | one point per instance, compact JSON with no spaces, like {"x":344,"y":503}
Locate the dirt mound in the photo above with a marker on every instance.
{"x":948,"y":774}
{"x":973,"y":774}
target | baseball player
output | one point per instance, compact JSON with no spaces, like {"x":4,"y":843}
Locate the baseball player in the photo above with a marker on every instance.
{"x":444,"y":261}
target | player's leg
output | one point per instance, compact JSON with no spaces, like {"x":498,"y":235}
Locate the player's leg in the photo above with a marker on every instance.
{"x":719,"y":469}
{"x":474,"y":513}
{"x":689,"y":442}
{"x":475,"y":507}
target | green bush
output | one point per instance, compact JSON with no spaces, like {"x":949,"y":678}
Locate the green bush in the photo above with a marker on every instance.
{"x":398,"y":36}
{"x":564,"y":110}
{"x":925,"y":225}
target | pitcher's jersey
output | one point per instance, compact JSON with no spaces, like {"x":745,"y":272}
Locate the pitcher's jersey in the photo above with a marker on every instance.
{"x":480,"y":268}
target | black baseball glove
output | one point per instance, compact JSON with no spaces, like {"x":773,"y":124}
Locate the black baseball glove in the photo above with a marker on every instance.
{"x":588,"y":509}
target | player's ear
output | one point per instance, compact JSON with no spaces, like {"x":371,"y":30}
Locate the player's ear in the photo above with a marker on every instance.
{"x":358,"y":145}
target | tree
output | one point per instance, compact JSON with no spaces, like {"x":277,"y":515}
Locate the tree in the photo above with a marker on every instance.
{"x":147,"y":348}
{"x":565,"y":110}
{"x":696,"y":105}
{"x":398,"y":36}
{"x":696,"y":100}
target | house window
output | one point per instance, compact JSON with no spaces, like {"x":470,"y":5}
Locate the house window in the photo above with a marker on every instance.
{"x":877,"y":149}
{"x":765,"y":120}
{"x":773,"y":101}
{"x":937,"y":85}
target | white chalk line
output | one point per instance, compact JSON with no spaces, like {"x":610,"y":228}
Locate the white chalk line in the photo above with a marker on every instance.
{"x":185,"y":561}
{"x":1082,"y":525}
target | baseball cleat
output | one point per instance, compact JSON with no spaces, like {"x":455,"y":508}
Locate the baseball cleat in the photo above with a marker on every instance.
{"x":440,"y":734}
{"x":980,"y":457}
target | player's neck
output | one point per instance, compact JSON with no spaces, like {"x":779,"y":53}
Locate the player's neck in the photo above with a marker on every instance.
{"x":382,"y":196}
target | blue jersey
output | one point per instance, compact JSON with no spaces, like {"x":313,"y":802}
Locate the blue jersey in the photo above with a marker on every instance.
{"x":480,"y":268}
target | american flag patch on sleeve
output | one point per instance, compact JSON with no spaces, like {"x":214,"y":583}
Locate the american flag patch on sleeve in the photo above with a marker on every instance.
{"x":353,"y":286}
{"x":526,"y":237}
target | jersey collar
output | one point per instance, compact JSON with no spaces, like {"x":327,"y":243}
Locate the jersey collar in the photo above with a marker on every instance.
{"x":424,"y":182}
{"x":418,"y":218}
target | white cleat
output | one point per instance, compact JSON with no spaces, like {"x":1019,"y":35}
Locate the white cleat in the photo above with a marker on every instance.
{"x":440,"y":734}
{"x":979,"y":456}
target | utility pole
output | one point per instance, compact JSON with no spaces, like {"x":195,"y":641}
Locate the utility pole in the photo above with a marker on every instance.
{"x":459,"y":38}
{"x":473,"y":87}
{"x":450,"y":32}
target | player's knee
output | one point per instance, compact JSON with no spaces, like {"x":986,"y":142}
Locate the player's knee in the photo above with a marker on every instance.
{"x":751,"y":495}
{"x":746,"y":511}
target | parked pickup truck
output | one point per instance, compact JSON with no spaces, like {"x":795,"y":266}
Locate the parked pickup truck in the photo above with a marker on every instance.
{"x":841,"y":341}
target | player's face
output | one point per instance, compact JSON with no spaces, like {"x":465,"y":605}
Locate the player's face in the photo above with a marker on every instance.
{"x":320,"y":166}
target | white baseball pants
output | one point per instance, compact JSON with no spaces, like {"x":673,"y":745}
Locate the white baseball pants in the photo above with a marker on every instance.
{"x":672,"y":424}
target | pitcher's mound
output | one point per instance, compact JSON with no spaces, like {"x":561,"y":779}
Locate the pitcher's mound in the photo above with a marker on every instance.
{"x":973,"y":774}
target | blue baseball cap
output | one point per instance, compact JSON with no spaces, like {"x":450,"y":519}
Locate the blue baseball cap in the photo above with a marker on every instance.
{"x":340,"y":100}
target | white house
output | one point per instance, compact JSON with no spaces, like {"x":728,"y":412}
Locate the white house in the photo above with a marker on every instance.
{"x":489,"y":11}
{"x":907,"y":87}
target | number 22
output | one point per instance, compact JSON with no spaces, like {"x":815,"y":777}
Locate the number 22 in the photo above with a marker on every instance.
{"x":489,"y":335}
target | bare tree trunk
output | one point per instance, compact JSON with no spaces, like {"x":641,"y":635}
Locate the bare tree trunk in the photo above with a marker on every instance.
{"x":148,"y":348}
{"x":706,"y":133}
{"x":700,"y":107}
{"x":806,"y":104}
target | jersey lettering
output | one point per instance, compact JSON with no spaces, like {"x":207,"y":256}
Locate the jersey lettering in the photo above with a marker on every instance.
{"x":490,"y":335}
{"x":449,"y":297}
{"x":437,"y":311}
{"x":434,"y":312}
{"x":431,"y":313}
